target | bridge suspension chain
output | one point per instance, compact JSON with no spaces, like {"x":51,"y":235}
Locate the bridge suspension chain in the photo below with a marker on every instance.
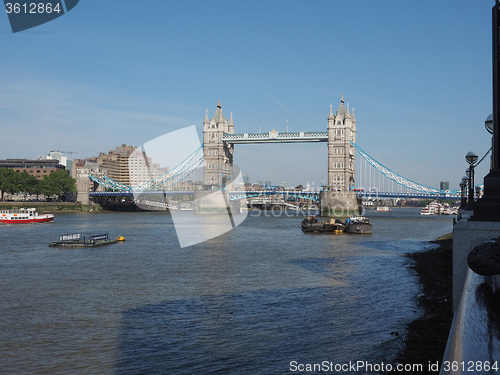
{"x":175,"y":175}
{"x":167,"y":180}
{"x":393,"y":175}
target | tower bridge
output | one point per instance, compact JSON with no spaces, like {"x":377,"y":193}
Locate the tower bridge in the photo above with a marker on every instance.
{"x":217,"y":152}
{"x":219,"y":140}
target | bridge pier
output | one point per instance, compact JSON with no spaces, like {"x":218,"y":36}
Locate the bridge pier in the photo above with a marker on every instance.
{"x":339,"y":203}
{"x":215,"y":202}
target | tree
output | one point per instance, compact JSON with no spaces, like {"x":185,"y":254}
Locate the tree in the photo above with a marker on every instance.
{"x":37,"y":188}
{"x":28,"y":183}
{"x":10,"y":181}
{"x":58,"y":183}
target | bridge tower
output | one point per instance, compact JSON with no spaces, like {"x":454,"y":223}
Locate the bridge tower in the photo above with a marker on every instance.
{"x":217,"y":153}
{"x":341,"y":131}
{"x":339,"y":199}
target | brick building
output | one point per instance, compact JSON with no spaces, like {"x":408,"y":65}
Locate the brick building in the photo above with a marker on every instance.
{"x":37,"y":168}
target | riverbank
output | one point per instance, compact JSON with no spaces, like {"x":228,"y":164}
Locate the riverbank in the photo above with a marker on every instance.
{"x":427,"y":336}
{"x":52,"y":207}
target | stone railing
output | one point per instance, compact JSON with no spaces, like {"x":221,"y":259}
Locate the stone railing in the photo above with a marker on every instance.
{"x":474,"y":341}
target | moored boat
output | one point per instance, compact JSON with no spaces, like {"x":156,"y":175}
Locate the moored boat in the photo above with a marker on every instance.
{"x":77,"y":240}
{"x":311,"y":225}
{"x":383,"y":209}
{"x":435,"y":208}
{"x":358,"y":224}
{"x":24,"y":216}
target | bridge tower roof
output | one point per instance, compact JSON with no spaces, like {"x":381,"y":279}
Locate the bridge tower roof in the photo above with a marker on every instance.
{"x":218,"y":116}
{"x":341,"y":110}
{"x":206,"y":120}
{"x":330,"y":116}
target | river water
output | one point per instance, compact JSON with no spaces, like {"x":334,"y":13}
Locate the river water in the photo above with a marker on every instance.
{"x":252,"y":301}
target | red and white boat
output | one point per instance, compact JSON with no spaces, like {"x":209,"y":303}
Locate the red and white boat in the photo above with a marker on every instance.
{"x":24,"y":216}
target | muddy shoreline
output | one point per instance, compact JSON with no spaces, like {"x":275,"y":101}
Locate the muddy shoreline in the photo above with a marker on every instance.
{"x":426,"y":337}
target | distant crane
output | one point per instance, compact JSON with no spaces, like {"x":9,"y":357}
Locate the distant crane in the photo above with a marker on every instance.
{"x":64,"y":152}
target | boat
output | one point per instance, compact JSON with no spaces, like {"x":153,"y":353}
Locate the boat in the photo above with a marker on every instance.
{"x":358,"y":224}
{"x":24,"y":216}
{"x":77,"y":240}
{"x":383,"y":209}
{"x":435,"y":208}
{"x":426,"y":211}
{"x":311,"y":225}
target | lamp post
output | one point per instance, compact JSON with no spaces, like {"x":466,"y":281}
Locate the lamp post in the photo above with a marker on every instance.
{"x":488,"y":124}
{"x":463,"y":185}
{"x":471,"y":158}
{"x":487,"y":208}
{"x":466,"y":176}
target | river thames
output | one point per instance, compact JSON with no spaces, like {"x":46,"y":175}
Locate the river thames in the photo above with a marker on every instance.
{"x":251,"y":301}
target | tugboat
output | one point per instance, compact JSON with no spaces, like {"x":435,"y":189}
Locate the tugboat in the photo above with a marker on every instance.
{"x":358,"y":224}
{"x":24,"y":216}
{"x":311,"y":225}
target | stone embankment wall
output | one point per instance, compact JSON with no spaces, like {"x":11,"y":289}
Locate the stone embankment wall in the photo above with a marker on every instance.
{"x":49,"y":207}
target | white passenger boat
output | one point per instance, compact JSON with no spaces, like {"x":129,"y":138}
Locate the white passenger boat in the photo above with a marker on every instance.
{"x":24,"y":216}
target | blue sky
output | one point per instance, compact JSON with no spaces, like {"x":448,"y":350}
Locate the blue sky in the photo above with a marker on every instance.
{"x":120,"y":71}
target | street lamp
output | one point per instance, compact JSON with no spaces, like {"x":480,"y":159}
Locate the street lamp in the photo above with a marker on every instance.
{"x":463,"y":185}
{"x":487,"y":208}
{"x":471,"y":158}
{"x":488,"y":124}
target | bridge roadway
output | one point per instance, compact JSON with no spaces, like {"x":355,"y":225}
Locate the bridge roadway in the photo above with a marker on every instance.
{"x":418,"y":195}
{"x":275,"y":137}
{"x":234,"y":195}
{"x":240,"y":194}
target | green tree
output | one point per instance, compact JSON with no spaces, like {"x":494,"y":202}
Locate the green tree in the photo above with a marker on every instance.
{"x":10,"y":181}
{"x":37,"y":188}
{"x":27,"y":183}
{"x":58,"y":183}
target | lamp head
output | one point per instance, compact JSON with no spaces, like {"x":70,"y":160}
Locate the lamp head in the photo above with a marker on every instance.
{"x":488,"y":124}
{"x":471,"y":157}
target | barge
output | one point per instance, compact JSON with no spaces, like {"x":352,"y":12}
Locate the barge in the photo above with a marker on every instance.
{"x":355,"y":224}
{"x":311,"y":225}
{"x":358,"y":224}
{"x":77,"y":240}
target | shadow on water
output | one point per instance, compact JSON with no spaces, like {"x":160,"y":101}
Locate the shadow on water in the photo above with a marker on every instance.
{"x":398,"y":247}
{"x":259,"y":332}
{"x":265,"y":331}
